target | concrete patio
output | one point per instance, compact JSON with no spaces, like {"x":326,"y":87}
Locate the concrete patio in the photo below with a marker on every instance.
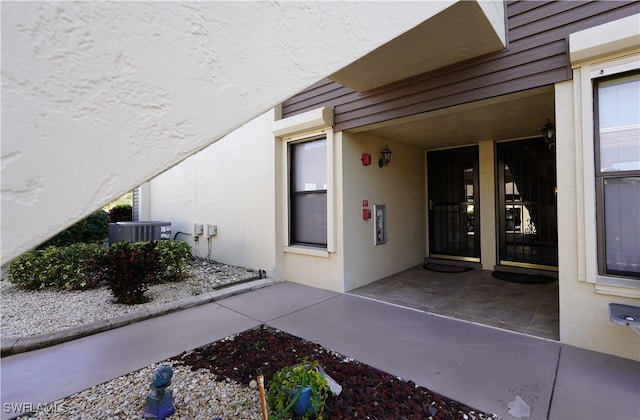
{"x":474,"y":296}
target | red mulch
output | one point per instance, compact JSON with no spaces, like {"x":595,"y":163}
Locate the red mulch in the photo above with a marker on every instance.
{"x":366,"y":392}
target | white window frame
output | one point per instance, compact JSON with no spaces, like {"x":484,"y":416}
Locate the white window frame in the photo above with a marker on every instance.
{"x":300,"y":128}
{"x":611,"y":174}
{"x":603,"y":50}
{"x":584,"y":76}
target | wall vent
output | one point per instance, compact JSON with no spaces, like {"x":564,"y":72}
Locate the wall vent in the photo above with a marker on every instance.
{"x":139,"y":231}
{"x":135,"y":205}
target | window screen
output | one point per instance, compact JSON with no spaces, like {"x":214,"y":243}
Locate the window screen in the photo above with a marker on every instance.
{"x":308,"y":201}
{"x":617,"y":112}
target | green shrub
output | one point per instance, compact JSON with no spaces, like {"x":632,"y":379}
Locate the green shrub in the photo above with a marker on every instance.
{"x":174,"y":256}
{"x":121,"y":213}
{"x":56,"y":267}
{"x":127,"y":269}
{"x":96,"y":227}
{"x":25,"y":271}
{"x":93,"y":228}
{"x":288,"y":385}
{"x":84,"y":266}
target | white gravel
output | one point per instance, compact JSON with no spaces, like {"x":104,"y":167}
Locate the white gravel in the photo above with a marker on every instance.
{"x":26,"y":313}
{"x":196,"y":395}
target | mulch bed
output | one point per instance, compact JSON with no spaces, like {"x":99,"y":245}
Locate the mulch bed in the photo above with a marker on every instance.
{"x":366,"y":392}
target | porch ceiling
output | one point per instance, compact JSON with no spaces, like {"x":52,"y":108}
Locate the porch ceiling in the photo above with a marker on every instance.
{"x":507,"y":117}
{"x":460,"y":30}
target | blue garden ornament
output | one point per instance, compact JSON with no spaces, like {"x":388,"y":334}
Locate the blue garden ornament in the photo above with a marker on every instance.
{"x":160,"y":399}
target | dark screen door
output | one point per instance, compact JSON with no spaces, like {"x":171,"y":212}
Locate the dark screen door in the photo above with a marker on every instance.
{"x":528,"y":227}
{"x":454,"y":204}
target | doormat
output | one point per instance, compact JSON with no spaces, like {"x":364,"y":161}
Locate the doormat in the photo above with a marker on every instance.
{"x":442,"y":268}
{"x":522,"y":278}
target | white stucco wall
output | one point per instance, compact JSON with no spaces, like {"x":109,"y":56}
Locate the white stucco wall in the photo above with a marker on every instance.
{"x":401,"y":188}
{"x":317,"y":267}
{"x":584,"y":295}
{"x":584,"y":313}
{"x":98,"y":97}
{"x":356,"y":261}
{"x":322,"y":272}
{"x":495,"y":12}
{"x":488,"y":217}
{"x":229,"y":184}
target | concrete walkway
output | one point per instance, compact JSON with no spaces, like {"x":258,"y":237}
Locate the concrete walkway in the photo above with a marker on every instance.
{"x":497,"y":371}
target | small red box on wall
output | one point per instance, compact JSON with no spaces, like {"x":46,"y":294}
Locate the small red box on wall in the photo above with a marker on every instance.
{"x":366,"y":159}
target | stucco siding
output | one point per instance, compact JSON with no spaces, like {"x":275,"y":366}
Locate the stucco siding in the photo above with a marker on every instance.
{"x":229,"y":184}
{"x":401,"y":188}
{"x":584,"y":293}
{"x":584,"y":314}
{"x":488,"y":216}
{"x":320,"y":272}
{"x":99,"y":97}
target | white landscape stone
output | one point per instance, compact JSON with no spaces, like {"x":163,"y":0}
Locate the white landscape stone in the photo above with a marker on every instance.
{"x":28,"y":313}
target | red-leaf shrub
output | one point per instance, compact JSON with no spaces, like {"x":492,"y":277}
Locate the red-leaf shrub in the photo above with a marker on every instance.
{"x":128,"y":270}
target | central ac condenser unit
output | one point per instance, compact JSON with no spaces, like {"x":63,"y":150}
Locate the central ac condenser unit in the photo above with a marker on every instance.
{"x":139,"y":231}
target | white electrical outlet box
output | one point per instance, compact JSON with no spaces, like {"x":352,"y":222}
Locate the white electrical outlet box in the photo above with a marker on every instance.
{"x":198,"y":229}
{"x":212,"y":230}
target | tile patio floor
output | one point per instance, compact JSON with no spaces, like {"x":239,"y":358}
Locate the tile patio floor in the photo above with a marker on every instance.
{"x":474,"y":296}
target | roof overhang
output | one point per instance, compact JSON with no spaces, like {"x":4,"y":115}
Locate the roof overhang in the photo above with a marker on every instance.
{"x":506,"y":117}
{"x":458,"y":32}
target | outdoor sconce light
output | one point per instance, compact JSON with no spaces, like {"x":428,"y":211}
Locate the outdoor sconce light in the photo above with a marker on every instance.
{"x":386,"y":157}
{"x":549,"y":132}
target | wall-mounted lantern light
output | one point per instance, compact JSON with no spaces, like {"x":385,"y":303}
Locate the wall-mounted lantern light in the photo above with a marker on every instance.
{"x":386,"y":157}
{"x":549,"y":133}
